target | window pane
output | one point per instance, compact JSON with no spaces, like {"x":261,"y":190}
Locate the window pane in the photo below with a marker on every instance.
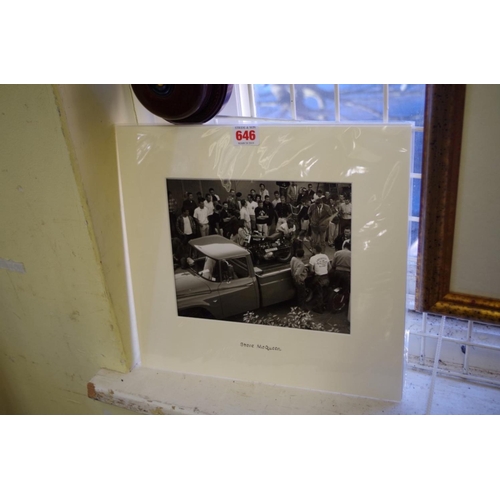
{"x":315,"y":102}
{"x":361,"y":103}
{"x":272,"y":101}
{"x":418,"y":152}
{"x":413,"y":238}
{"x":415,"y":197}
{"x":406,"y":103}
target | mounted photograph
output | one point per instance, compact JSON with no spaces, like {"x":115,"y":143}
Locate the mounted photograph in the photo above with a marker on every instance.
{"x":231,"y":246}
{"x":270,"y":253}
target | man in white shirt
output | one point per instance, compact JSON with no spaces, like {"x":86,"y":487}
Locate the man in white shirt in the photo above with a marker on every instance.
{"x":320,"y":265}
{"x":263,"y":191}
{"x":209,"y":204}
{"x":251,"y":206}
{"x":345,"y":215}
{"x":201,"y":217}
{"x":245,"y":214}
{"x":319,"y":195}
{"x":287,"y":228}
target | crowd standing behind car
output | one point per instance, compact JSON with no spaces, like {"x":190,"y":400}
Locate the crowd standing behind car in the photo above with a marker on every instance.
{"x":316,"y":218}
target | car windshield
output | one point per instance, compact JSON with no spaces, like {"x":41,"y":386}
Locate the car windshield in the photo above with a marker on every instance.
{"x":205,"y":267}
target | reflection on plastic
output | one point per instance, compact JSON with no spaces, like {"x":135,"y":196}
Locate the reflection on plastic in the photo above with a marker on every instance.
{"x":306,"y":166}
{"x":143,"y":147}
{"x":391,"y":180}
{"x":372,"y":161}
{"x":226,"y":158}
{"x":268,"y":153}
{"x":355,"y":170}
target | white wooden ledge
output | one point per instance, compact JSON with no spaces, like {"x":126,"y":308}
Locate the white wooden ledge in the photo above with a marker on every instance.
{"x":150,"y":391}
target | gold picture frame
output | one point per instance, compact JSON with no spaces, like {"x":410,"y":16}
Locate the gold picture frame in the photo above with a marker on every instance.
{"x":444,"y":119}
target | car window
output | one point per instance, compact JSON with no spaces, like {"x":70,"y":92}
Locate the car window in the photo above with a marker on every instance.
{"x":207,"y":268}
{"x":240,"y":267}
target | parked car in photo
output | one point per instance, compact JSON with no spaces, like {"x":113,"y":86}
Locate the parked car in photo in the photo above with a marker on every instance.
{"x":221,"y":281}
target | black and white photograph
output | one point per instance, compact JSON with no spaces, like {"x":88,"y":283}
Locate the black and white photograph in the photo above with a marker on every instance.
{"x":274,"y":253}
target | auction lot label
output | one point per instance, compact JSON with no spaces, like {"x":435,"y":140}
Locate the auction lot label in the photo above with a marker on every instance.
{"x":246,"y":135}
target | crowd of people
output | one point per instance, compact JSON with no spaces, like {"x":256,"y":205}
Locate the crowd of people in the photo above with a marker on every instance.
{"x":322,"y":276}
{"x":317,"y":215}
{"x":316,"y":218}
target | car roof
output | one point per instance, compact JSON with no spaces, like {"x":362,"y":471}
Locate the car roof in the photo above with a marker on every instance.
{"x":218,"y":247}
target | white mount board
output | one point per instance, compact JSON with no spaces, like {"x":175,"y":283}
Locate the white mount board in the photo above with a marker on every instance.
{"x":374,"y":159}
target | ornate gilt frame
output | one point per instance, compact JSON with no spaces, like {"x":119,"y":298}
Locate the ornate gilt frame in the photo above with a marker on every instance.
{"x":444,"y":115}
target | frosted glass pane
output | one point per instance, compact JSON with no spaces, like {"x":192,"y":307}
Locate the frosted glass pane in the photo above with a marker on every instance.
{"x":361,"y":102}
{"x":407,"y":103}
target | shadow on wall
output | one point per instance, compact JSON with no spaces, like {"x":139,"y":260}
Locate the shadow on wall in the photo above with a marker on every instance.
{"x":5,"y":405}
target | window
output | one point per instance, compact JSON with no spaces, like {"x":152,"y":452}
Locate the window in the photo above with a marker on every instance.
{"x":354,"y":103}
{"x":239,"y":267}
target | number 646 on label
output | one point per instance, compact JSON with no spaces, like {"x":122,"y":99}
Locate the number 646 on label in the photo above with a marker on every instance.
{"x":247,"y":135}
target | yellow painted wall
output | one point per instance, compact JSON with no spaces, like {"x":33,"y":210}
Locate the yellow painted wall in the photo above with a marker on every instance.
{"x":88,"y":115}
{"x":58,"y":323}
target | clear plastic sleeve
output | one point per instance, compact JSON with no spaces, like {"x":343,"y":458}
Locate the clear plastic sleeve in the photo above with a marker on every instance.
{"x":274,"y":254}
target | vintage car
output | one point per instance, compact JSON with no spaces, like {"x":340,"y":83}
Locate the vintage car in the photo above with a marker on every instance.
{"x":221,"y":281}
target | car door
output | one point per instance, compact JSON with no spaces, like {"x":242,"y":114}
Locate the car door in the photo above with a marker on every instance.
{"x":238,"y":290}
